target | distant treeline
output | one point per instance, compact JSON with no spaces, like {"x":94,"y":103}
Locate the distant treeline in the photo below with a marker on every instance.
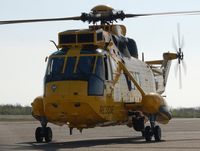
{"x":15,"y":110}
{"x":26,"y":110}
{"x":186,"y":112}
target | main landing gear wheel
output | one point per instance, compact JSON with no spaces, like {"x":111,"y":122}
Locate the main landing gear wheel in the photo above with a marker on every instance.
{"x":149,"y":132}
{"x":152,"y":130}
{"x":157,"y":133}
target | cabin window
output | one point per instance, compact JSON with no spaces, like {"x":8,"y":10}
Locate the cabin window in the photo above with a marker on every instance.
{"x":137,"y":77}
{"x":128,"y":83}
{"x":132,"y":84}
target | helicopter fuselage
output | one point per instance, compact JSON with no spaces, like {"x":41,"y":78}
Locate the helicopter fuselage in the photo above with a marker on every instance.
{"x":85,"y":86}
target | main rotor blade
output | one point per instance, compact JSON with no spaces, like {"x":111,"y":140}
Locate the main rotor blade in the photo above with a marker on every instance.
{"x":38,"y":20}
{"x":165,"y":13}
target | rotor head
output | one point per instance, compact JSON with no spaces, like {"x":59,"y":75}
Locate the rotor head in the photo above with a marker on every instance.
{"x":103,"y":14}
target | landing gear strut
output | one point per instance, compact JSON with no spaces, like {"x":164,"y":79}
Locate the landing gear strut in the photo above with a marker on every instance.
{"x":43,"y":132}
{"x":152,"y":130}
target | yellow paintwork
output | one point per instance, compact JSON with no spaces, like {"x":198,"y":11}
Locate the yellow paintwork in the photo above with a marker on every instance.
{"x":38,"y":107}
{"x":70,"y":103}
{"x":151,"y":103}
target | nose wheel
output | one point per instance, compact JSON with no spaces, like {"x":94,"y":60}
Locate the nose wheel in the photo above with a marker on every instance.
{"x":38,"y":134}
{"x":151,"y":131}
{"x":43,"y":133}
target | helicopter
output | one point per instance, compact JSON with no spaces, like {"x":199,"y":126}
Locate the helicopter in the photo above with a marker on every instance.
{"x":95,"y":78}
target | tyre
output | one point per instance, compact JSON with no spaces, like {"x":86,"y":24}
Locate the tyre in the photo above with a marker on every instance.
{"x":148,"y":133}
{"x":48,"y":134}
{"x":157,"y":133}
{"x":38,"y":134}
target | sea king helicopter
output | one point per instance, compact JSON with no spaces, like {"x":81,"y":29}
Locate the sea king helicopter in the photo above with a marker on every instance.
{"x":95,"y":78}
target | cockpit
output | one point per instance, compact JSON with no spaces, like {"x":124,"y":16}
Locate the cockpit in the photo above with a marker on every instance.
{"x":88,"y":66}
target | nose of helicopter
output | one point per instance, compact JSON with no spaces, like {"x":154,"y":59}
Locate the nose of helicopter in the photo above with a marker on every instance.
{"x":75,"y":112}
{"x":68,"y":102}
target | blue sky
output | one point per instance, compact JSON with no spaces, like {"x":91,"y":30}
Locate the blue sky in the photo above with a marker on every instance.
{"x":24,"y":46}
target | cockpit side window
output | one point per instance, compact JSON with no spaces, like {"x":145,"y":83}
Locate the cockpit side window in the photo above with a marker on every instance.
{"x":128,"y":81}
{"x":55,"y":66}
{"x":96,"y":80}
{"x":100,"y":70}
{"x":108,"y":69}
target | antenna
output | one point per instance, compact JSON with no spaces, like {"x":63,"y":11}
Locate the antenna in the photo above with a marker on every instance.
{"x":143,"y":56}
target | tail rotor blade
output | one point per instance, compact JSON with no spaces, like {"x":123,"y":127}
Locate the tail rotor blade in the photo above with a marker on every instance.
{"x":176,"y":69}
{"x":180,"y":77}
{"x":179,"y":38}
{"x":184,"y":67}
{"x":182,"y":42}
{"x":180,"y":63}
{"x":174,"y":44}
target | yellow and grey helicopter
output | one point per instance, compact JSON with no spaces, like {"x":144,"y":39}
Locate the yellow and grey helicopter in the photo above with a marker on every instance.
{"x":95,"y":78}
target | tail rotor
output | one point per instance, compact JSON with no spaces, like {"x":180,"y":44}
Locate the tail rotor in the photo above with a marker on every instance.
{"x":180,"y":56}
